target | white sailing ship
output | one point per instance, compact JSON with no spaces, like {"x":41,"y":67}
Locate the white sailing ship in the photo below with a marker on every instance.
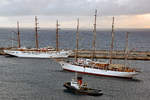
{"x":92,"y":67}
{"x":38,"y":52}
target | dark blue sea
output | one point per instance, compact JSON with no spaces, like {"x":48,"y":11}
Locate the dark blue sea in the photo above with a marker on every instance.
{"x":42,"y":79}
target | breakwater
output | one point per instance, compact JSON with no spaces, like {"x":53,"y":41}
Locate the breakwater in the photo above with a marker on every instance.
{"x":105,"y":54}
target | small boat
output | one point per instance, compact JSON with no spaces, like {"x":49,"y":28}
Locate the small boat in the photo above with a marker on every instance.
{"x":76,"y":86}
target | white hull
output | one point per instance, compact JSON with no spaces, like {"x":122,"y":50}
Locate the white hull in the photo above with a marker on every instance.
{"x":38,"y":54}
{"x":93,"y":71}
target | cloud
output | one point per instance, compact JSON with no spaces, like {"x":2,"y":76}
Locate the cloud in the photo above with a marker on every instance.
{"x":73,"y":7}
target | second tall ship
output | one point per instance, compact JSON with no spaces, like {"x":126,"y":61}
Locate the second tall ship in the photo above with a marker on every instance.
{"x":38,"y":52}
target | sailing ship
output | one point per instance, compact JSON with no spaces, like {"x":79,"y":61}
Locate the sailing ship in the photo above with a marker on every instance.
{"x":92,"y":67}
{"x":77,"y":86}
{"x":37,"y":52}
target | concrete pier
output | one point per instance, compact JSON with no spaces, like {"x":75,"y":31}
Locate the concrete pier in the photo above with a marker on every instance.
{"x":104,"y":54}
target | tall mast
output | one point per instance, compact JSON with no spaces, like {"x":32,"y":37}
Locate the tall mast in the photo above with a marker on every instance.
{"x":18,"y":34}
{"x":126,"y":49}
{"x":36,"y":32}
{"x":77,"y":40}
{"x":112,"y":42}
{"x":12,"y":42}
{"x":57,"y":35}
{"x":77,"y":45}
{"x":93,"y":52}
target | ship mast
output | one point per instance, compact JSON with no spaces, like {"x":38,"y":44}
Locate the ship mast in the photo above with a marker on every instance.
{"x":77,"y":40}
{"x":18,"y":33}
{"x":112,"y":42}
{"x":126,"y":49}
{"x":36,"y":32}
{"x":77,"y":45}
{"x":93,"y":51}
{"x":57,"y":35}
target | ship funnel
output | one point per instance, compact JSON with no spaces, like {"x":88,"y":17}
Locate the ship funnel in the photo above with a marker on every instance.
{"x":79,"y":80}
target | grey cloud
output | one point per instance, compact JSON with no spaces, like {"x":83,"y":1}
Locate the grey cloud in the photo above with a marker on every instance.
{"x":73,"y":7}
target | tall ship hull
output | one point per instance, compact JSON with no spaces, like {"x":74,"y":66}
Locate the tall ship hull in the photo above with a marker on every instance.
{"x":96,"y":71}
{"x":38,"y":53}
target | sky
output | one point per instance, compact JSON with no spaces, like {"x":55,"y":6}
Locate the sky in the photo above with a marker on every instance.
{"x":127,"y":13}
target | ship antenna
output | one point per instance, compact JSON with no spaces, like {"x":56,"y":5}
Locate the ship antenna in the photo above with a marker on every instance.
{"x":18,"y":33}
{"x":93,"y":51}
{"x":112,"y":42}
{"x":36,"y":32}
{"x":77,"y":41}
